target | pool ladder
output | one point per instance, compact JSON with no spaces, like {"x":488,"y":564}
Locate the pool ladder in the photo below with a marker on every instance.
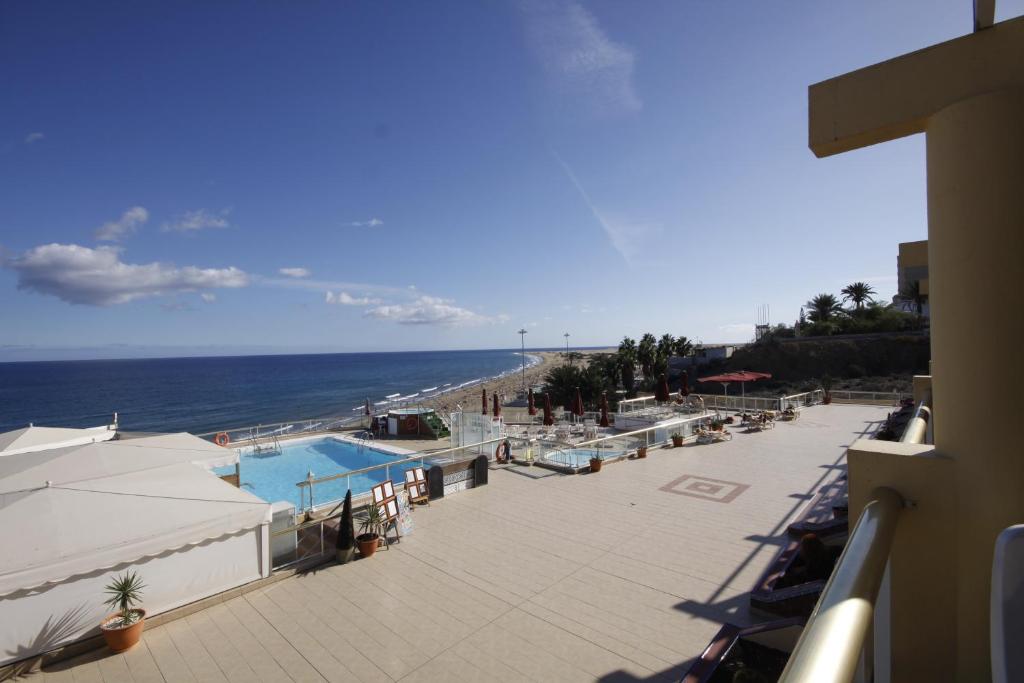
{"x":271,"y":446}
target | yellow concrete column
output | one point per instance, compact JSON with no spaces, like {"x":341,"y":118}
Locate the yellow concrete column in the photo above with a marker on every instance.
{"x":976,"y":262}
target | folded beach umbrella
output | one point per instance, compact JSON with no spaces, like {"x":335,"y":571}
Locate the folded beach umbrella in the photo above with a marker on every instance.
{"x":366,"y":410}
{"x":548,"y":420}
{"x":684,"y":385}
{"x":661,"y":393}
{"x":531,"y":406}
{"x":577,"y":404}
{"x":604,"y":409}
{"x":483,"y":401}
{"x":497,"y":405}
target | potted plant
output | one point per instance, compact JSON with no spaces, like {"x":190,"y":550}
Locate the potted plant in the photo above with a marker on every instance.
{"x":677,"y":440}
{"x":717,"y":425}
{"x":123,"y":629}
{"x":826,"y":387}
{"x":346,"y":544}
{"x":728,"y":419}
{"x":371,"y":528}
{"x":595,"y":464}
{"x":641,"y":452}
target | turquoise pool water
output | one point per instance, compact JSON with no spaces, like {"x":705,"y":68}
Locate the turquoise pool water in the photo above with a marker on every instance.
{"x":580,"y":457}
{"x":272,"y":476}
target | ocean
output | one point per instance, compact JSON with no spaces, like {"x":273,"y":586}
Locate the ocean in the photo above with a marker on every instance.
{"x":206,"y":394}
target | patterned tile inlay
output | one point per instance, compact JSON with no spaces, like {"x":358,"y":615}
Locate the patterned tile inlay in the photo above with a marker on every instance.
{"x":706,"y":488}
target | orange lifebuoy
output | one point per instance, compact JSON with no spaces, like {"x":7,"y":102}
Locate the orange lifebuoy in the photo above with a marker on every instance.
{"x":222,"y":439}
{"x":499,"y":452}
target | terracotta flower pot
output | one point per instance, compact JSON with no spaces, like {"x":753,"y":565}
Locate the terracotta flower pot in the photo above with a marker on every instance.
{"x":367,"y":544}
{"x":595,"y":464}
{"x":120,"y":638}
{"x":677,"y":441}
{"x":641,"y":452}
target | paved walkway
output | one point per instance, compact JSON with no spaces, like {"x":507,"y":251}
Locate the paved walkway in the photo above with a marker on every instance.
{"x":620,"y":576}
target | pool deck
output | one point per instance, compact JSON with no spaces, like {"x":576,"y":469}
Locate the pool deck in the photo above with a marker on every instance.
{"x":624,"y":575}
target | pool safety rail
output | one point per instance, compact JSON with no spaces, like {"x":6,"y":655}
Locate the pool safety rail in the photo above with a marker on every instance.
{"x":307,"y":487}
{"x":559,"y":451}
{"x":262,"y":433}
{"x":835,"y":646}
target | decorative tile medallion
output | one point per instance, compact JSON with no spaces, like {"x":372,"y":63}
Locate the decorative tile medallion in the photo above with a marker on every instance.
{"x":706,"y":488}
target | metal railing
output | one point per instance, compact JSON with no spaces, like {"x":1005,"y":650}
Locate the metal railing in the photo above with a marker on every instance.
{"x":875,"y":397}
{"x":577,"y":454}
{"x":831,"y":648}
{"x":367,"y":477}
{"x":283,"y":429}
{"x":807,"y":398}
{"x":916,"y":430}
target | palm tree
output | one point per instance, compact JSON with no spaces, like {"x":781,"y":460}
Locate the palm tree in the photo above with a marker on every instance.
{"x":627,"y":364}
{"x":684,"y":347}
{"x":859,"y":293}
{"x":646,"y":351}
{"x":911,"y":293}
{"x":666,"y":346}
{"x":822,"y":307}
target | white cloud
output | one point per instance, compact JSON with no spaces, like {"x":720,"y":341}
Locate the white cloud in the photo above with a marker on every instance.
{"x":33,"y":137}
{"x":429,"y":310}
{"x":208,"y":297}
{"x":200,"y":219}
{"x":294,"y":272}
{"x":582,"y":64}
{"x":346,"y":299}
{"x":98,"y":277}
{"x":372,"y":223}
{"x":128,"y":223}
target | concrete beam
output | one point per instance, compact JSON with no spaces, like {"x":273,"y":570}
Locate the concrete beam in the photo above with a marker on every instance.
{"x":984,"y":14}
{"x":895,"y":98}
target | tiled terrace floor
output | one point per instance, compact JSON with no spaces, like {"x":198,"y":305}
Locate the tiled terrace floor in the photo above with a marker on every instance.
{"x":620,"y":576}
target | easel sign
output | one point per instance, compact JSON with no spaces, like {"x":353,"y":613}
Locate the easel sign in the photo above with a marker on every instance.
{"x":385,"y":499}
{"x":416,"y":485}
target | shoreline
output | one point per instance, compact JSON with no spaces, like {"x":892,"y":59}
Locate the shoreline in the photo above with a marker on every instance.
{"x":507,"y":385}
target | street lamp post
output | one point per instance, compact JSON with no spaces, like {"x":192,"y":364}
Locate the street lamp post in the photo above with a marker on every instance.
{"x":522,"y":346}
{"x":567,"y":358}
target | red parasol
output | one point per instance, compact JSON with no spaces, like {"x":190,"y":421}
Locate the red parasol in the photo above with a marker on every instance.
{"x":531,"y":406}
{"x":661,"y":393}
{"x":548,"y":420}
{"x":604,"y":409}
{"x":497,"y":405}
{"x":684,"y":385}
{"x":483,"y":401}
{"x":741,"y":376}
{"x":577,"y":404}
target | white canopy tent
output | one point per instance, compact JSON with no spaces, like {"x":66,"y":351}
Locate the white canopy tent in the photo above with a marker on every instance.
{"x":31,"y":438}
{"x":73,"y":517}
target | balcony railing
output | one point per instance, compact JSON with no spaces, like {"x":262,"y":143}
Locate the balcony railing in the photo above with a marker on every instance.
{"x":916,"y":430}
{"x":832,"y":646}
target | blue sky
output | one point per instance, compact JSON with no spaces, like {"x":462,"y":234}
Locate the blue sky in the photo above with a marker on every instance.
{"x":237,"y":177}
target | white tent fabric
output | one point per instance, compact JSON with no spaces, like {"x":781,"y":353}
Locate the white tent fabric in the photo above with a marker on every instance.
{"x":75,"y":510}
{"x":30,"y":439}
{"x":72,"y":518}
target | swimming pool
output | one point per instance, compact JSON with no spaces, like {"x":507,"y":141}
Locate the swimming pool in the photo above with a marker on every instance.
{"x":580,"y":457}
{"x":272,"y":475}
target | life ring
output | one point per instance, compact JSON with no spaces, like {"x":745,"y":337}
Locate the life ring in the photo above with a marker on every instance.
{"x":500,"y":451}
{"x":222,"y":439}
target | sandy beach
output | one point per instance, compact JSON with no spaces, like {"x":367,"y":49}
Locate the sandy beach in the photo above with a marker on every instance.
{"x":508,"y":387}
